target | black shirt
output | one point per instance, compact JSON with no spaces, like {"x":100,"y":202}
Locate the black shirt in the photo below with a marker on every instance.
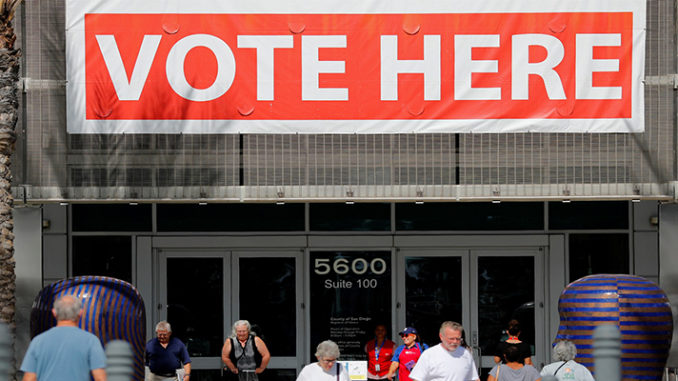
{"x":524,"y":348}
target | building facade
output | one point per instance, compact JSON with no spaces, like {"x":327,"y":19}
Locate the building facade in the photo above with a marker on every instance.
{"x":321,"y":235}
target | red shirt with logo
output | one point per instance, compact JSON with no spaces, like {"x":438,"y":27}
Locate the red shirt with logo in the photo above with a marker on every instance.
{"x":407,"y":358}
{"x":379,"y":357}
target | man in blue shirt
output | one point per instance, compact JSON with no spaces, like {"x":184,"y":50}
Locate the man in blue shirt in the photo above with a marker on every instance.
{"x":65,"y":352}
{"x":165,"y":355}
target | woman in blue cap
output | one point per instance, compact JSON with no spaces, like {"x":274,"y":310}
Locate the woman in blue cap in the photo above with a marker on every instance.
{"x":406,"y":356}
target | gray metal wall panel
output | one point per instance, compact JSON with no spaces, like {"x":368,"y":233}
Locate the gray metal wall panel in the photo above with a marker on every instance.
{"x":28,"y":270}
{"x":646,"y":254}
{"x":54,"y":258}
{"x":668,"y":270}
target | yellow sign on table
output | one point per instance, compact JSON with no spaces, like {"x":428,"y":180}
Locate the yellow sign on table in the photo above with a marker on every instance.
{"x":357,"y":370}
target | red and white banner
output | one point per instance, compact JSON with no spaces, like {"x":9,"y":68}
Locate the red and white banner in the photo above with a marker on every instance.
{"x":355,"y":66}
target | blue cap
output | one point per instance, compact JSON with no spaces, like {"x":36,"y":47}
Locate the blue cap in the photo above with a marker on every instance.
{"x":407,"y":331}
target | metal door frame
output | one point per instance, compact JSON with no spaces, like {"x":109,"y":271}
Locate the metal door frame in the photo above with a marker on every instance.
{"x":277,"y":362}
{"x":154,"y":250}
{"x":433,"y":253}
{"x":551,"y":269}
{"x":160,"y":312}
{"x":471,"y":245}
{"x":539,"y":292}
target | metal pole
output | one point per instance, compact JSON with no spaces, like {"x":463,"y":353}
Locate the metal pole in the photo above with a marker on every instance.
{"x":119,"y":361}
{"x":6,"y":355}
{"x":607,"y":353}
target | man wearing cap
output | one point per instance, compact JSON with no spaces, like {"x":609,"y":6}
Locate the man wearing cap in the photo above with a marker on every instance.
{"x":447,"y":361}
{"x":406,"y":356}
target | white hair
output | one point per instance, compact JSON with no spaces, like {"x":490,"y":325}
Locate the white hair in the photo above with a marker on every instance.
{"x":67,"y":307}
{"x":564,"y":350}
{"x":238,"y":324}
{"x":453,"y":325}
{"x":163,"y":326}
{"x":327,"y":348}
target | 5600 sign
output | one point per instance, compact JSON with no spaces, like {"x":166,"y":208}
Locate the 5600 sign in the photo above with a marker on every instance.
{"x":350,"y":290}
{"x":342,"y":266}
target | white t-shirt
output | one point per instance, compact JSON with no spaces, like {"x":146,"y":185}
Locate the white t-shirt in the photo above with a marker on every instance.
{"x":314,"y":372}
{"x":439,"y":364}
{"x":571,"y":371}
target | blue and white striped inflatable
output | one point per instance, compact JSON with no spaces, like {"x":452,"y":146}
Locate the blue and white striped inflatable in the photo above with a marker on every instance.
{"x":636,"y":305}
{"x":112,"y":310}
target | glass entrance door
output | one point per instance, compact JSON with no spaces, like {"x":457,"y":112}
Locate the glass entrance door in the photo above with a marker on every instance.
{"x":432,"y":288}
{"x":481,"y":289}
{"x":202,"y":292}
{"x":294,"y":298}
{"x":267,"y":291}
{"x":508,"y":284}
{"x":193,"y":299}
{"x":349,"y":293}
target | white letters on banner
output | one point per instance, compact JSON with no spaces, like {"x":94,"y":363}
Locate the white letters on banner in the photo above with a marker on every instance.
{"x":128,"y":90}
{"x":265,"y":46}
{"x":311,"y":67}
{"x":225,"y":68}
{"x":391,"y":67}
{"x":260,"y":67}
{"x":465,"y":66}
{"x":522,"y":67}
{"x":587,"y":65}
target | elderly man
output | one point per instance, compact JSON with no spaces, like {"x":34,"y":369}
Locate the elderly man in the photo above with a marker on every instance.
{"x":65,"y":352}
{"x":244,"y":353}
{"x":166,"y":356}
{"x":447,"y":361}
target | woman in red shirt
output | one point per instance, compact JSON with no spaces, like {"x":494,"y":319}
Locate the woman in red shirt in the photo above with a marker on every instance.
{"x":406,"y":355}
{"x":379,"y":352}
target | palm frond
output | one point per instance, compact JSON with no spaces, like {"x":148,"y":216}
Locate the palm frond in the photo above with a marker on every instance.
{"x":7,"y":8}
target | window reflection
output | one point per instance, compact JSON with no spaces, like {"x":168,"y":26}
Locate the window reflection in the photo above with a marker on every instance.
{"x":505,"y":292}
{"x":195,"y":303}
{"x":598,"y":254}
{"x":268,"y":300}
{"x":103,"y":255}
{"x":433,"y":294}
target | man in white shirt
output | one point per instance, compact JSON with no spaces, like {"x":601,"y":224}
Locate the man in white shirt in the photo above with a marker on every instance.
{"x":447,"y":361}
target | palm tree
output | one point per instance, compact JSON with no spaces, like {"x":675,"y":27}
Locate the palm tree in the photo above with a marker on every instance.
{"x":9,"y":109}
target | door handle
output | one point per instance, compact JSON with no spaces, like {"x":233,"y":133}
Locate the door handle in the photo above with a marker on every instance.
{"x":477,"y":351}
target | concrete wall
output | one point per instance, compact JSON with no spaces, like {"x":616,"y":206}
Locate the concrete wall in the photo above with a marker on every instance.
{"x":668,"y":267}
{"x":645,"y":245}
{"x":55,"y":241}
{"x":28,"y":256}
